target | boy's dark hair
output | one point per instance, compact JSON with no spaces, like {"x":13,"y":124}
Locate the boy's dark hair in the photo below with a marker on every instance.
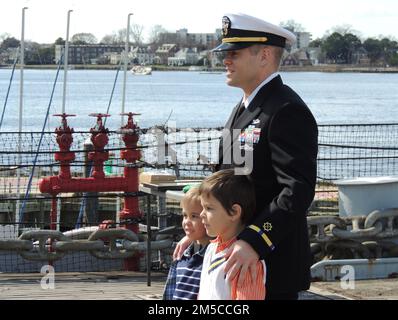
{"x":229,"y":189}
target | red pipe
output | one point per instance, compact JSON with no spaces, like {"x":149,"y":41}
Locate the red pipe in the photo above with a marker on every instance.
{"x":53,"y":214}
{"x":131,"y":212}
{"x":55,"y":184}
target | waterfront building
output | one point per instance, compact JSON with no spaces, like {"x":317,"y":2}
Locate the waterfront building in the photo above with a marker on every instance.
{"x":299,"y":57}
{"x":141,"y":55}
{"x":183,"y":38}
{"x":164,"y":52}
{"x":303,"y":40}
{"x":185,"y":56}
{"x":8,"y":55}
{"x":86,"y":53}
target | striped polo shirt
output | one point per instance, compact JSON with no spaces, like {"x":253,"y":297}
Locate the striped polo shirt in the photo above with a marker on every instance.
{"x":188,"y":271}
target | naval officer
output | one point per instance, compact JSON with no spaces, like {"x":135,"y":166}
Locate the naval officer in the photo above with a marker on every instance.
{"x":279,"y":135}
{"x":279,"y":131}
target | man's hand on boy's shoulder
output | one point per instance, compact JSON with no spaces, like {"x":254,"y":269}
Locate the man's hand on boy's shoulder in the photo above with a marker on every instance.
{"x":180,"y":248}
{"x":241,"y":258}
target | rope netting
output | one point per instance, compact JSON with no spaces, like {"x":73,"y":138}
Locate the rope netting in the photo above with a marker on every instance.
{"x":345,"y":151}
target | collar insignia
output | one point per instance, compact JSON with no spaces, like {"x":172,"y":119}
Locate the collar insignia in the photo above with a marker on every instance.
{"x":267,"y":226}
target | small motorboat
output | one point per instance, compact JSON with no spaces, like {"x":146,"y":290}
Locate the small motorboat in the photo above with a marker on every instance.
{"x":141,"y":70}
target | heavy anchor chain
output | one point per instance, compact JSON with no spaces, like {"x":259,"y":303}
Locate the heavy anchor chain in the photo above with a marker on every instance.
{"x":52,"y":245}
{"x":379,"y":224}
{"x":359,"y":233}
{"x":368,"y":236}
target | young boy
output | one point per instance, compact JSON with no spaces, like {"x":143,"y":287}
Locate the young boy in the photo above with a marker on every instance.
{"x":228,"y":202}
{"x":184,"y":274}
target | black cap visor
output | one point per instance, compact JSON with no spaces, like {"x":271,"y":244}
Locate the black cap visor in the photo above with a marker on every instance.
{"x":237,"y":44}
{"x":232,"y":46}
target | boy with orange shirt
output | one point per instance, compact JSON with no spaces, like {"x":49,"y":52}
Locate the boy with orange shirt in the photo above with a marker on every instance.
{"x":228,"y":202}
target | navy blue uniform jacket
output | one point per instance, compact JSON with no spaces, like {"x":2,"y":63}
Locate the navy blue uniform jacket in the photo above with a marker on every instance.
{"x":282,"y":135}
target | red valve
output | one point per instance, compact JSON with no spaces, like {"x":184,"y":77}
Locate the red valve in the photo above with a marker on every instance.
{"x":107,"y":224}
{"x":64,"y":140}
{"x":64,"y":133}
{"x":130,"y":122}
{"x":99,"y":126}
{"x":130,"y":138}
{"x":63,"y":120}
{"x":99,"y":138}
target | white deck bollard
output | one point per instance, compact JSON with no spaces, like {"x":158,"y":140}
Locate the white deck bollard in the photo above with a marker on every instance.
{"x":360,"y":196}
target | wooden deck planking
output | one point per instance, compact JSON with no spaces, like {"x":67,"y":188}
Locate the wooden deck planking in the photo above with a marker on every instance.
{"x":84,"y":286}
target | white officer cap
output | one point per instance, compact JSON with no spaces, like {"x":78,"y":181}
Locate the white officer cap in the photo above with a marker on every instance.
{"x":241,"y":31}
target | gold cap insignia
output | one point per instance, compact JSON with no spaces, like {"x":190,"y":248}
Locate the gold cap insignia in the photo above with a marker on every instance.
{"x":226,"y":25}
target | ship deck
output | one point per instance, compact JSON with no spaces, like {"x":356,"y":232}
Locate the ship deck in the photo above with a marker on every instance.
{"x":133,"y":286}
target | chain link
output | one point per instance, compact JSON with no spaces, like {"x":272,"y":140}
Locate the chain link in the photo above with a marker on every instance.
{"x":386,"y":217}
{"x":43,"y":251}
{"x":142,"y":246}
{"x":322,"y":234}
{"x":356,"y":232}
{"x":15,"y":245}
{"x":111,"y":249}
{"x":79,"y":245}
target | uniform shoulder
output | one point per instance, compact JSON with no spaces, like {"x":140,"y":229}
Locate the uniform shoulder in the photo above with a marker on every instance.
{"x":290,"y":96}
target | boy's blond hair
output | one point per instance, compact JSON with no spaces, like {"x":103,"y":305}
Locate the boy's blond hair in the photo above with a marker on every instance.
{"x":191,"y":196}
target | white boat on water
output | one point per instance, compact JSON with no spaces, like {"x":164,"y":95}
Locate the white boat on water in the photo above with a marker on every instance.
{"x":195,"y":68}
{"x":211,"y":72}
{"x":141,"y":70}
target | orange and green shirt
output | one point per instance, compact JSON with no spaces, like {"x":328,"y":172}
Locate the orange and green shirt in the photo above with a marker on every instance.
{"x":213,"y":283}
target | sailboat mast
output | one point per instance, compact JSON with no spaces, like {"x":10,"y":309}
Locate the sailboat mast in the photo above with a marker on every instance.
{"x":66,"y":55}
{"x":125,"y":60}
{"x":21,"y":87}
{"x":125,"y":63}
{"x":22,"y":60}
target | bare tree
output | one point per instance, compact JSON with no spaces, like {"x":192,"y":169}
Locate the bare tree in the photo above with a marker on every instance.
{"x":136,"y":33}
{"x":121,"y":35}
{"x":343,"y":30}
{"x":84,"y":38}
{"x":156,"y":30}
{"x":110,"y":39}
{"x":292,"y":25}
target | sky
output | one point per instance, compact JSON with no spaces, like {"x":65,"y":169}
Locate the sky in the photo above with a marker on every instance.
{"x":45,"y":20}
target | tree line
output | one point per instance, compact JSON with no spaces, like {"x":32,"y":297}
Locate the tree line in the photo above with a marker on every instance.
{"x":341,"y":46}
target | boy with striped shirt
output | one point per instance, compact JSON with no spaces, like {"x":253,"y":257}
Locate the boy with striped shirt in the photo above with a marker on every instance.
{"x":228,"y":202}
{"x":184,"y":275}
